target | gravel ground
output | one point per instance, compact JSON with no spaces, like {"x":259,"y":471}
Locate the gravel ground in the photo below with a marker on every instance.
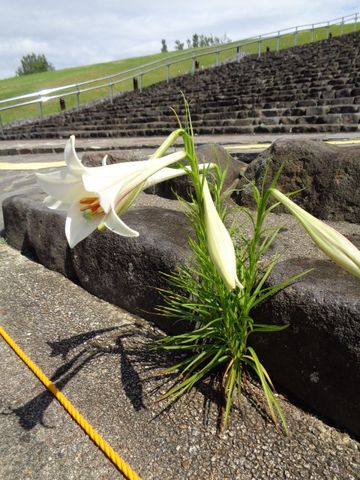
{"x":97,"y":355}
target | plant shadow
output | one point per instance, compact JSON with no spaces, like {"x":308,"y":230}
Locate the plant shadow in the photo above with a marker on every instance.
{"x":83,"y":349}
{"x":131,"y":345}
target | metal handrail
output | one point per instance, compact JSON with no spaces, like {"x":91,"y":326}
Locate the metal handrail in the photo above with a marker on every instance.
{"x":162,"y":61}
{"x":42,"y":96}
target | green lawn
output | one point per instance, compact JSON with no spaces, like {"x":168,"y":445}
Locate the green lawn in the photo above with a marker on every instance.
{"x":32,"y":83}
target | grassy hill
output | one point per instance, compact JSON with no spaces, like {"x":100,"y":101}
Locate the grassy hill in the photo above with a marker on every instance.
{"x":32,"y":83}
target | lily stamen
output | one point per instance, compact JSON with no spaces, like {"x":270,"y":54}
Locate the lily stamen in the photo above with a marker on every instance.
{"x":88,"y":200}
{"x":90,"y":207}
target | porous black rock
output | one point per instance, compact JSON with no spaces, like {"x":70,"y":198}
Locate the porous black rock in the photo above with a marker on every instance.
{"x":94,"y":159}
{"x":38,"y":232}
{"x":127,"y":272}
{"x":317,"y":358}
{"x":328,"y":176}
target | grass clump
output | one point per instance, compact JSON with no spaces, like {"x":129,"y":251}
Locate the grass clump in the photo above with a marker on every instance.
{"x":221,"y":316}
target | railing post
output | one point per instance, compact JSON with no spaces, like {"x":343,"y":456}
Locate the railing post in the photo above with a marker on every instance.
{"x":295,"y":36}
{"x":312,"y":33}
{"x":259,"y":46}
{"x":40,"y":108}
{"x":217,"y":57}
{"x":111,"y":93}
{"x":1,"y":126}
{"x":140,"y":83}
{"x":328,"y":30}
{"x":342,"y":26}
{"x":193,"y":64}
{"x":77,"y":98}
{"x":278,"y":42}
{"x":355,"y":23}
{"x":167,"y":73}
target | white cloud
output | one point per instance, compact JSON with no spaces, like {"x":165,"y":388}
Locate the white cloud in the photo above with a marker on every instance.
{"x":82,"y":32}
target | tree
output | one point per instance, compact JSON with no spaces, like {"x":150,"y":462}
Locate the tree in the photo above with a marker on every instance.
{"x":33,"y":63}
{"x":179,"y":45}
{"x":163,"y":46}
{"x":195,"y":40}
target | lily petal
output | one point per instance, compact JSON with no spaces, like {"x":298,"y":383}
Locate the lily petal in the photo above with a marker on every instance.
{"x":106,"y":197}
{"x":73,"y":162}
{"x":168,"y":173}
{"x":121,"y":203}
{"x":54,"y":204}
{"x":116,"y":225}
{"x":77,"y":227}
{"x":62,"y":185}
{"x":128,"y":174}
{"x":152,"y":167}
{"x":100,"y":178}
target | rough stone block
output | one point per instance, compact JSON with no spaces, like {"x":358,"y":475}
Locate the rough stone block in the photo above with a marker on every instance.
{"x":126,"y":272}
{"x":329,"y":176}
{"x":15,"y":211}
{"x":317,"y":358}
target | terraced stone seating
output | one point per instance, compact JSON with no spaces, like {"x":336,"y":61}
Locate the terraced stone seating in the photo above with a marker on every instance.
{"x":308,"y":89}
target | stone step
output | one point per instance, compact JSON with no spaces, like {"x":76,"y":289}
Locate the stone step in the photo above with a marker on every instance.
{"x":277,"y":126}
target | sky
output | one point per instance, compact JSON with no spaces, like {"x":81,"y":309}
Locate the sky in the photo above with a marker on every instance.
{"x":83,"y":32}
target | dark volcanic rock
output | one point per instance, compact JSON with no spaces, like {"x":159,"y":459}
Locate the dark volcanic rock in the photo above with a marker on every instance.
{"x":328,"y":175}
{"x":37,"y":231}
{"x":124,"y":271}
{"x":15,"y":211}
{"x":128,"y":271}
{"x":317,"y":358}
{"x":94,"y":159}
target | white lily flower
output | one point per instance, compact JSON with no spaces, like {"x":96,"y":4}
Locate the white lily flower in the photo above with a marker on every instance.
{"x":220,"y":245}
{"x":94,"y":197}
{"x":330,"y":241}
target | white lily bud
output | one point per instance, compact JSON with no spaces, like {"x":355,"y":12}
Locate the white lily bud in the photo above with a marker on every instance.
{"x":221,"y":248}
{"x":330,"y":241}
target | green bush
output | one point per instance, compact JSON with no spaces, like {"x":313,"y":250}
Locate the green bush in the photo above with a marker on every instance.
{"x":33,"y":63}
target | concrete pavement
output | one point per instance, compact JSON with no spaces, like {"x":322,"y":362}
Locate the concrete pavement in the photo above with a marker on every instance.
{"x":98,"y":356}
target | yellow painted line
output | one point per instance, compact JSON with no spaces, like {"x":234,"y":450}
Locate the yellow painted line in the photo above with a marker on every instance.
{"x":344,"y":142}
{"x":249,"y":146}
{"x":30,"y":166}
{"x":243,"y":146}
{"x":262,"y":146}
